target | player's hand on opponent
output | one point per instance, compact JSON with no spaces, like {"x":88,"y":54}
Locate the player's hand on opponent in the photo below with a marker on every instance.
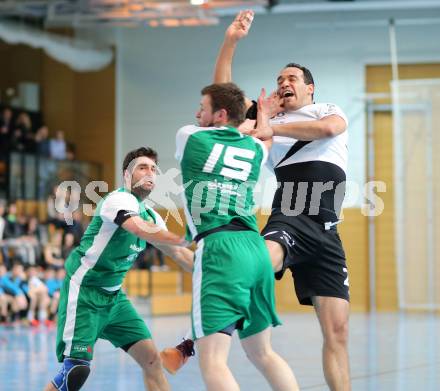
{"x":240,"y":27}
{"x":276,"y":104}
{"x":267,"y":106}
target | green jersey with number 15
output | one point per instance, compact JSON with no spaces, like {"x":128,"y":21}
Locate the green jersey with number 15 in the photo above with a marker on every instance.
{"x":220,"y":167}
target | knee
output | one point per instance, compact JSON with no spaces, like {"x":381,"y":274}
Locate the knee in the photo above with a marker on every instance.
{"x":336,"y":333}
{"x":207,"y":362}
{"x":73,"y":374}
{"x":152,"y":362}
{"x":21,"y":302}
{"x":261,"y":356}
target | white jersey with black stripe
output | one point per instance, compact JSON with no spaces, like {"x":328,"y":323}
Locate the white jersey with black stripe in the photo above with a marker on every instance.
{"x":312,"y":175}
{"x":333,"y":150}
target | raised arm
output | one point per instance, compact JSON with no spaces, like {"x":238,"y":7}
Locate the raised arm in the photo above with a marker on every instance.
{"x":238,"y":29}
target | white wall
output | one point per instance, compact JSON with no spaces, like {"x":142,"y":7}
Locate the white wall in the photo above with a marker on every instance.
{"x":161,"y":71}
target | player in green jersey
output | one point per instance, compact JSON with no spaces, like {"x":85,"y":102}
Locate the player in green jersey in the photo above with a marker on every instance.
{"x":233,"y":283}
{"x":92,"y":304}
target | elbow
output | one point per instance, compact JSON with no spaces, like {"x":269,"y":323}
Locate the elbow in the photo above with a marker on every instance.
{"x":331,"y":130}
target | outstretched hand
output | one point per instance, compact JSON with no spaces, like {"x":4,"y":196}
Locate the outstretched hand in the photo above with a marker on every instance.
{"x":266,"y":107}
{"x":241,"y":25}
{"x":270,"y":105}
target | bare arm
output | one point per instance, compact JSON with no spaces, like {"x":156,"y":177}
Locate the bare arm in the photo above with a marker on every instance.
{"x":151,"y":233}
{"x":184,"y":257}
{"x":238,"y":29}
{"x":329,"y":126}
{"x":223,"y":65}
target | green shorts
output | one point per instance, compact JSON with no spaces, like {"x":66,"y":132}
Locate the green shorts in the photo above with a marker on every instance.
{"x":88,"y":313}
{"x":233,"y":281}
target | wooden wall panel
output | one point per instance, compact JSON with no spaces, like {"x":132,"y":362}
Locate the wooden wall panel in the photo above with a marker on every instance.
{"x":95,"y":116}
{"x":378,"y":79}
{"x":386,"y":272}
{"x":58,"y":93}
{"x":19,"y":63}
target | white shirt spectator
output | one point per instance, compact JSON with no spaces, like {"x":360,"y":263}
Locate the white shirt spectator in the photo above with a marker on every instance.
{"x":57,"y":149}
{"x":58,"y":146}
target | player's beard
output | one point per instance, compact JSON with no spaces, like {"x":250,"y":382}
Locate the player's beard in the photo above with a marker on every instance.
{"x":140,"y":192}
{"x":138,"y":189}
{"x":210,"y":125}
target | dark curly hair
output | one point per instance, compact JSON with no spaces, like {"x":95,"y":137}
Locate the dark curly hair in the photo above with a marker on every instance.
{"x":142,"y":151}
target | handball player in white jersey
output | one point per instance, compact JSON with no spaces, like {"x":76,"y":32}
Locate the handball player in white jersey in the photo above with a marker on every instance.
{"x":309,"y":158}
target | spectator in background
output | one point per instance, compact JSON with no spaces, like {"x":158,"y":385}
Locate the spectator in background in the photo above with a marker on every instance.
{"x":42,"y":142}
{"x":53,"y":251}
{"x":10,"y":283}
{"x":14,"y":227}
{"x":70,"y":151}
{"x":5,"y":131}
{"x":17,"y":141}
{"x":58,"y":146}
{"x":77,"y":227}
{"x":55,"y":204}
{"x":51,"y":206}
{"x":60,"y":276}
{"x":53,"y":289}
{"x":22,"y":237}
{"x":2,"y":219}
{"x":23,"y":124}
{"x":6,"y":120}
{"x":38,"y":296}
{"x":69,"y":245}
{"x":32,"y":241}
{"x":4,"y":300}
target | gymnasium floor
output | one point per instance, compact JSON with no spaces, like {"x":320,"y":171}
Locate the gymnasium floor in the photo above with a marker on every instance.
{"x":388,"y":352}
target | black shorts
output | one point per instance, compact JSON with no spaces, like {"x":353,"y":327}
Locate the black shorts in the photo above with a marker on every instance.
{"x":314,"y":255}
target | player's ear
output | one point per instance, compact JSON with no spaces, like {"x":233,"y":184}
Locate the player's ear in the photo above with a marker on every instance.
{"x":223,"y":115}
{"x":311,"y":89}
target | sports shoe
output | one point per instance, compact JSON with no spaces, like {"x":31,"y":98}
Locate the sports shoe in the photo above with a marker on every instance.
{"x":34,"y":323}
{"x":174,"y":358}
{"x":49,"y":323}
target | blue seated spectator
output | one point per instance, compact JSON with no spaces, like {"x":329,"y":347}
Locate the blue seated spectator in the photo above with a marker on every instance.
{"x":10,"y":284}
